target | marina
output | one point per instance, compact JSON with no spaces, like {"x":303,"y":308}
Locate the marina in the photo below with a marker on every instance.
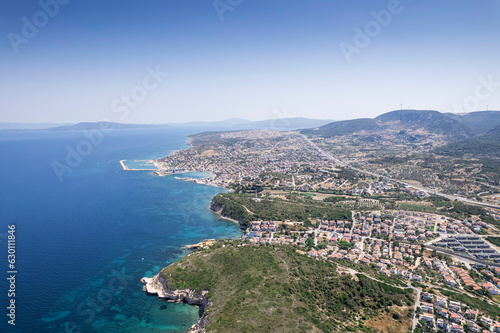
{"x":140,"y":167}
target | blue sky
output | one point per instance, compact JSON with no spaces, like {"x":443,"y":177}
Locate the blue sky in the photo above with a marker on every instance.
{"x":265,"y":59}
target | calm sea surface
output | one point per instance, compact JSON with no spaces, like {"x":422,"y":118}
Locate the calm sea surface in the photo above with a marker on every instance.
{"x":84,"y":243}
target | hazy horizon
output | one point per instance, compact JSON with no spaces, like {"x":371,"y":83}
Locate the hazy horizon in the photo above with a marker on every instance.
{"x":213,"y":121}
{"x":50,"y":124}
{"x":169,"y":62}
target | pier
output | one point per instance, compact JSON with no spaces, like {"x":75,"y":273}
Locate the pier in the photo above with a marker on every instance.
{"x":126,"y":168}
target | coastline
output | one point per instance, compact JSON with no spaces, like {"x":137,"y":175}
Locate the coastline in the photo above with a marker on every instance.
{"x":157,"y":286}
{"x":218,"y":213}
{"x":223,"y":217}
{"x":200,"y":181}
{"x":126,"y":168}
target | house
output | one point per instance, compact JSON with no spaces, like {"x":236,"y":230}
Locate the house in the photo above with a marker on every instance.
{"x":441,"y":301}
{"x":449,"y":281}
{"x":486,"y":321}
{"x":473,"y":327}
{"x":427,"y":317}
{"x":427,"y":297}
{"x":455,"y":317}
{"x":456,"y":328}
{"x":471,"y":314}
{"x":442,"y":312}
{"x":454,"y":306}
{"x":489,"y":288}
{"x":442,"y":324}
{"x":427,"y":307}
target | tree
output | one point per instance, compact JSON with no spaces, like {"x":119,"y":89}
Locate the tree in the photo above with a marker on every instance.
{"x":310,"y":242}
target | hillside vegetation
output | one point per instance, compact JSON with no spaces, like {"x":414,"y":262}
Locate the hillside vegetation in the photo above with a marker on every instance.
{"x":345,"y":127}
{"x":243,"y":208}
{"x":431,"y":121}
{"x":479,"y":121}
{"x":275,"y":289}
{"x":486,"y":145}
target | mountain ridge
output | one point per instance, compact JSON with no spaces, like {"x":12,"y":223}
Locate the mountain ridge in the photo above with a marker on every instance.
{"x":432,"y":121}
{"x":228,"y":124}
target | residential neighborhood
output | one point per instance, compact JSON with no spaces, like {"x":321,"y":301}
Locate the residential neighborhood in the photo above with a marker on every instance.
{"x":394,"y":243}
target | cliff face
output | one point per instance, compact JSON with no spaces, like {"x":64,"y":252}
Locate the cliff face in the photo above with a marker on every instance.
{"x":216,"y":207}
{"x":157,"y":286}
{"x":219,"y":209}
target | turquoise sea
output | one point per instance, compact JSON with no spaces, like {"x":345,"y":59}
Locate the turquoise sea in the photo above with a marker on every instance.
{"x":84,"y":243}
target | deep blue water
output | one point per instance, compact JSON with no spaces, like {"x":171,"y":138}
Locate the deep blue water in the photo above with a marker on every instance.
{"x":80,"y":241}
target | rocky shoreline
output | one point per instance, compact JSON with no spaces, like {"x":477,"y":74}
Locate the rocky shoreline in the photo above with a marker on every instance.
{"x":157,"y":286}
{"x":217,"y":209}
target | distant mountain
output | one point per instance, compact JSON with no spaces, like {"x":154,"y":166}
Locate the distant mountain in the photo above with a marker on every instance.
{"x":285,"y":123}
{"x":481,"y":145}
{"x":343,"y":127}
{"x":400,"y":120}
{"x":229,"y":124}
{"x":101,"y":124}
{"x":27,"y":126}
{"x":242,"y":124}
{"x":480,"y":121}
{"x":219,"y":123}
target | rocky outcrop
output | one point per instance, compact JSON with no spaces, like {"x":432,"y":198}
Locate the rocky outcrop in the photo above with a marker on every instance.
{"x":157,"y":286}
{"x":215,"y":206}
{"x":218,"y":208}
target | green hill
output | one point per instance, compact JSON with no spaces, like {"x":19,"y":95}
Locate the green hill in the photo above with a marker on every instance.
{"x":485,"y":145}
{"x":344,"y":127}
{"x":480,"y":121}
{"x":432,"y":121}
{"x":428,"y":120}
{"x":276,"y":289}
{"x":242,"y":208}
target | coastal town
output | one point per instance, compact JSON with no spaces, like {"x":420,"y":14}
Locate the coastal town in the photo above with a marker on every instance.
{"x":242,"y":157}
{"x":292,"y":160}
{"x":394,"y":229}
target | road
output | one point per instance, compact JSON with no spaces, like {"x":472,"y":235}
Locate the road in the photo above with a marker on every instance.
{"x":347,"y":165}
{"x":417,"y":304}
{"x":316,"y":234}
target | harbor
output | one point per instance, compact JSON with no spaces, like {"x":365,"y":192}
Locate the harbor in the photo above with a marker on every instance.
{"x":140,"y":167}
